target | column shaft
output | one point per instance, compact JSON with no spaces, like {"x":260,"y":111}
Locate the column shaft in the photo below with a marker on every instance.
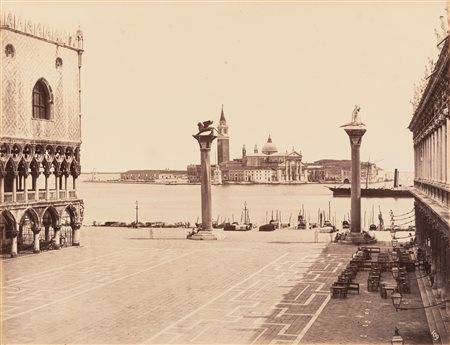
{"x":356,"y":190}
{"x":25,"y":188}
{"x":14,"y":247}
{"x":206,"y":189}
{"x":14,"y":187}
{"x":2,"y":190}
{"x":47,"y":194}
{"x":36,"y":188}
{"x":36,"y":247}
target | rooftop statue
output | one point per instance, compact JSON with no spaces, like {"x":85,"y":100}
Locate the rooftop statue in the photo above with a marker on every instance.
{"x":205,"y":127}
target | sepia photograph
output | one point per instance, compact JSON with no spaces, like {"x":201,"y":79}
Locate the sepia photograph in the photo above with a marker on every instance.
{"x":225,"y":172}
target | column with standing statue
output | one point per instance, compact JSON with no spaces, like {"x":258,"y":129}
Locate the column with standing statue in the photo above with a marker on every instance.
{"x":356,"y":131}
{"x":205,"y":137}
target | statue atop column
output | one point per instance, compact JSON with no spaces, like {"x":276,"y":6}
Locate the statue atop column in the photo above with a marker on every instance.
{"x":205,"y":140}
{"x":205,"y":126}
{"x":355,"y":118}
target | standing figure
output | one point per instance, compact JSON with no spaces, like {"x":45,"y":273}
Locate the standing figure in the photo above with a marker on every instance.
{"x":355,"y":114}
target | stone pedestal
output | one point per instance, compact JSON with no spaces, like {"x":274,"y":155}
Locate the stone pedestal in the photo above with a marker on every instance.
{"x":205,"y":233}
{"x":357,"y":238}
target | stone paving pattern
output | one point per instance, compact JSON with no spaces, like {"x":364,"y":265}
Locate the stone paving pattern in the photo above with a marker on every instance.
{"x":247,"y":288}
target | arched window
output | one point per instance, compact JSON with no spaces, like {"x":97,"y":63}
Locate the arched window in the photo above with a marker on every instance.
{"x":42,"y":100}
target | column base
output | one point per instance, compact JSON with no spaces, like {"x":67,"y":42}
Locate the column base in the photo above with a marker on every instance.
{"x":75,"y":244}
{"x":36,"y":251}
{"x":357,"y":238}
{"x":13,"y":255}
{"x":203,"y":235}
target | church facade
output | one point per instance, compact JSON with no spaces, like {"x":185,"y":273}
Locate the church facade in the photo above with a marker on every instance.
{"x":265,"y":166}
{"x":40,"y":136}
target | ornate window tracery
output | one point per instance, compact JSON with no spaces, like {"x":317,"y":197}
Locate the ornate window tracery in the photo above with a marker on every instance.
{"x":42,"y":100}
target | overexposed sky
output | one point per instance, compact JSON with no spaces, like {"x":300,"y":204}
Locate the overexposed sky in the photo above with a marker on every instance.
{"x":294,"y":70}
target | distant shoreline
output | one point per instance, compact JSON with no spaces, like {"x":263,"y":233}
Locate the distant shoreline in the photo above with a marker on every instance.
{"x":226,"y":183}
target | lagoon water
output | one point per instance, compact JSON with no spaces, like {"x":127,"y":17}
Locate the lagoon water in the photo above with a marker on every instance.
{"x":171,"y":203}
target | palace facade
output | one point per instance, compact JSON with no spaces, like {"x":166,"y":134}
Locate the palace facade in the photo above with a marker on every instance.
{"x":430,"y":126}
{"x":40,"y":136}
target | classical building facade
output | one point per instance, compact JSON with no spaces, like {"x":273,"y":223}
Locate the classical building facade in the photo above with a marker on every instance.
{"x":430,"y":126}
{"x":40,"y":136}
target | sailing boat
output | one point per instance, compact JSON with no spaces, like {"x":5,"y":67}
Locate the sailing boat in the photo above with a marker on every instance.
{"x":272,"y":225}
{"x":245,"y":223}
{"x":372,"y":225}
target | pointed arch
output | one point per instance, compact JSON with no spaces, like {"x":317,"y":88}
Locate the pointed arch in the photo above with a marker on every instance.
{"x":10,"y":220}
{"x":32,"y":215}
{"x":72,"y":212}
{"x":50,"y":217}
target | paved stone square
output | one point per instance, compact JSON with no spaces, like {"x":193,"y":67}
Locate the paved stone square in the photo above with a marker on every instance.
{"x":123,"y":286}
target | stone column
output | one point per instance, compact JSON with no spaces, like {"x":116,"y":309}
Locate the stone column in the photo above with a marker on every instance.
{"x":36,"y":230}
{"x":57,"y":238}
{"x":442,"y":145}
{"x":65,"y":187}
{"x":57,"y":184}
{"x":14,"y":186}
{"x":14,"y":235}
{"x":47,"y":175}
{"x":447,"y":151}
{"x":76,"y":234}
{"x":429,"y":158}
{"x":205,"y":233}
{"x":25,"y":187}
{"x":2,"y":191}
{"x":36,"y":189}
{"x":355,"y":132}
{"x":300,"y":173}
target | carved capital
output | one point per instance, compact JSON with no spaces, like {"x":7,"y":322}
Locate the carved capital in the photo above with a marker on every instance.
{"x":75,"y":226}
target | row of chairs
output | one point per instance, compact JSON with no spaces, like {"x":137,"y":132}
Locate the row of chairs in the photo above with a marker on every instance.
{"x":344,"y":282}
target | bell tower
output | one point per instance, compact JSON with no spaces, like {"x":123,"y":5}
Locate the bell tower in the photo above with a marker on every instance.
{"x":223,"y":140}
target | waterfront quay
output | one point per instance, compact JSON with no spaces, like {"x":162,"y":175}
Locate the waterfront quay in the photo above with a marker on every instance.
{"x":136,"y":286}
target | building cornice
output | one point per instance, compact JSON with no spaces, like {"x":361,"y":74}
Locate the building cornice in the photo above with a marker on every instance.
{"x":440,"y":71}
{"x":41,"y":32}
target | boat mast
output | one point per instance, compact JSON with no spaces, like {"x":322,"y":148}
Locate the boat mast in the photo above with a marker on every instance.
{"x":368,"y":172}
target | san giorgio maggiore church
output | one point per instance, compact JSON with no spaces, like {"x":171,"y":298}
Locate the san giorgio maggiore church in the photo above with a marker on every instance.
{"x":258,"y":166}
{"x":40,"y":137}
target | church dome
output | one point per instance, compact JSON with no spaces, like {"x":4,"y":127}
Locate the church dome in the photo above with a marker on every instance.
{"x":269,"y":148}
